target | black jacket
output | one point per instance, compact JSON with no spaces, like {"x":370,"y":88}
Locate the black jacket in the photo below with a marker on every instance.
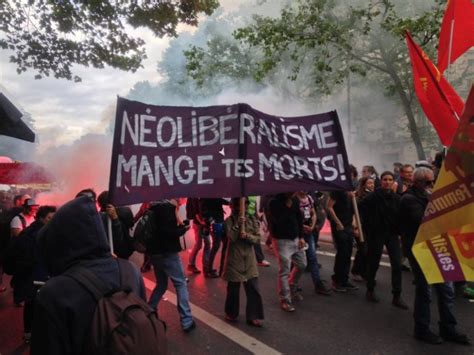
{"x":412,"y":206}
{"x":75,"y":237}
{"x":380,"y":210}
{"x":167,"y":229}
{"x":285,"y":222}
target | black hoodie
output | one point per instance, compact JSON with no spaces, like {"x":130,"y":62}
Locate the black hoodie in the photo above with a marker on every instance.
{"x":381,"y":210}
{"x":75,"y":237}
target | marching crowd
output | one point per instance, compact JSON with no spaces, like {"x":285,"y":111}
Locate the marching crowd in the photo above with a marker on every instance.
{"x":65,"y":262}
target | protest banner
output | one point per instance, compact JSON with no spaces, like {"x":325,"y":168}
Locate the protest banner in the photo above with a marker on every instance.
{"x":222,"y":151}
{"x":444,"y":245}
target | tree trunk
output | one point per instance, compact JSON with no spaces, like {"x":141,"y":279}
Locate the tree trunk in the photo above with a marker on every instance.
{"x":411,"y":119}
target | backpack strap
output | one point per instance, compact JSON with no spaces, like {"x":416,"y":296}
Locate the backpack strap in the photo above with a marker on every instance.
{"x":87,"y":279}
{"x":23,"y":220}
{"x":127,"y":274}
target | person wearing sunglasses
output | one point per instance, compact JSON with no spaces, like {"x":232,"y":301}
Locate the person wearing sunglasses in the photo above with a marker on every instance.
{"x":412,"y":206}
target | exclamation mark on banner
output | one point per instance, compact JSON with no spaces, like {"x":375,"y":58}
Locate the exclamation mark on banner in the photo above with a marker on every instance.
{"x":340,"y":160}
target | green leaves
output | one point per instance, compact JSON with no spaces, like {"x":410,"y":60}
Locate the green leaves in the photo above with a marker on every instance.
{"x":51,"y":36}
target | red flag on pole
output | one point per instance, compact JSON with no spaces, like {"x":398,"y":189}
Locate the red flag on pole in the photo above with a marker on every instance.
{"x":457,"y":32}
{"x":440,"y":102}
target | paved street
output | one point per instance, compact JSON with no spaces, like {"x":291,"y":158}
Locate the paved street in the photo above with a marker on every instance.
{"x":339,"y":324}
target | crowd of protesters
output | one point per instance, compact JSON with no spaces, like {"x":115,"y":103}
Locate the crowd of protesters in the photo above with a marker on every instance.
{"x":44,"y":245}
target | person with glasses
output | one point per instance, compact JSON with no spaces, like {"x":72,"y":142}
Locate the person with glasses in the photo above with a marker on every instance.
{"x":412,"y":206}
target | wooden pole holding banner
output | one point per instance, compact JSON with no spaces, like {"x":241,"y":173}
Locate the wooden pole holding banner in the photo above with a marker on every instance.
{"x":242,"y":214}
{"x":356,"y":212}
{"x":109,"y":232}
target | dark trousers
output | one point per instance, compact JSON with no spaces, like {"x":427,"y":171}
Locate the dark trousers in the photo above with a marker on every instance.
{"x":374,"y":254}
{"x":259,"y":252}
{"x":445,"y":296}
{"x":216,"y":235}
{"x":254,"y":309}
{"x":342,"y":263}
{"x":28,"y":315}
{"x":359,"y":267}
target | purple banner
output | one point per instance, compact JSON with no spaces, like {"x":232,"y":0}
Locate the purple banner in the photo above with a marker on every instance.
{"x":222,"y":151}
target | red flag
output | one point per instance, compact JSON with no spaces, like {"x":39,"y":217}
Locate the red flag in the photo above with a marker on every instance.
{"x":441,"y":104}
{"x":457,"y":32}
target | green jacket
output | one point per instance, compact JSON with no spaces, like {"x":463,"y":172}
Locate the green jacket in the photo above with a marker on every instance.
{"x":240,"y":263}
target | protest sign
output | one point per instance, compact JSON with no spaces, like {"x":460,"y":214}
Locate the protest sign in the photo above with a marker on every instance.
{"x":444,"y":245}
{"x":165,"y":151}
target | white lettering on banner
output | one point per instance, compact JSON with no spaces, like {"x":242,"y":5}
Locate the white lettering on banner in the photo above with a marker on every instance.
{"x":202,"y":169}
{"x":183,"y":169}
{"x":189,"y":172}
{"x":167,"y":173}
{"x":286,"y":167}
{"x":127,"y":126}
{"x":145,"y":171}
{"x":223,"y":129}
{"x":202,"y":131}
{"x":179,"y":126}
{"x":246,"y":128}
{"x":159,"y":131}
{"x":128,"y":167}
{"x":144,"y":131}
{"x":212,"y":127}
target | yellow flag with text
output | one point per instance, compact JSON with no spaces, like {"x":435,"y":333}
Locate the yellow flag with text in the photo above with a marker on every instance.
{"x":444,"y":245}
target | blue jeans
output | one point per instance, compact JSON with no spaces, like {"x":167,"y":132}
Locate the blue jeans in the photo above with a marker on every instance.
{"x":445,"y":295}
{"x":199,"y":238}
{"x":287,"y":251}
{"x":312,"y":259}
{"x":217,"y":231}
{"x":169,"y":266}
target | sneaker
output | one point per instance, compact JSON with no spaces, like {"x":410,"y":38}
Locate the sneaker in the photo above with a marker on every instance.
{"x":455,"y":337}
{"x":190,"y":328}
{"x":297,"y":296}
{"x":350,"y":287}
{"x":372,"y":297}
{"x":264,"y":263}
{"x":399,"y":303}
{"x":337,"y":287}
{"x":287,"y":306}
{"x":322,"y":289}
{"x":27,"y":338}
{"x":429,"y":337}
{"x":194,"y":269}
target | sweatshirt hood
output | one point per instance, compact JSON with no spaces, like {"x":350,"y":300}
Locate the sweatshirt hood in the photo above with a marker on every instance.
{"x":74,"y":234}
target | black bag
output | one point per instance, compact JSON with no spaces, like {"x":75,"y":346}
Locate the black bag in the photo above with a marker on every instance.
{"x":18,"y":258}
{"x":145,"y":230}
{"x":5,"y":231}
{"x":122,"y":323}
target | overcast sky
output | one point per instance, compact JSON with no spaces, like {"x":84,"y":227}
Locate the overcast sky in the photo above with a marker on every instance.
{"x":63,"y":110}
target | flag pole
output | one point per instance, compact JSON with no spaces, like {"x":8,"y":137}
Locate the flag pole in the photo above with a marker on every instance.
{"x":357,"y":217}
{"x":242,"y":214}
{"x":450,"y":47}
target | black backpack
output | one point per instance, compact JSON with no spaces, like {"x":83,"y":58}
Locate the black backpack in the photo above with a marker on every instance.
{"x":18,"y":257}
{"x":5,"y":232}
{"x":122,"y":323}
{"x":145,"y":230}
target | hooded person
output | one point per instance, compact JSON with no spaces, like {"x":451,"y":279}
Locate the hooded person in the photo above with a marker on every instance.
{"x":74,"y":238}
